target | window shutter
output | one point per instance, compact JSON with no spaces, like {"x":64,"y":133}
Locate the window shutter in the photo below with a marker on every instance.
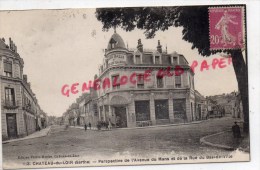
{"x":7,"y":66}
{"x":177,"y":79}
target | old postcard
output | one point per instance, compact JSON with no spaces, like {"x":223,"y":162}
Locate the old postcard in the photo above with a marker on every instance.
{"x":124,"y":86}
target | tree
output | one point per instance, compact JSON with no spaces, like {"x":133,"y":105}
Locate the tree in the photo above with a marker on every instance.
{"x":195,"y":24}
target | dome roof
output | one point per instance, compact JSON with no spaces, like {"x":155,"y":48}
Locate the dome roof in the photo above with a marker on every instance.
{"x":115,"y":41}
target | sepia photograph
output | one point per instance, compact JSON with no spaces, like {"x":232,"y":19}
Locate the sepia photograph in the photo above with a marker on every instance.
{"x":84,"y":87}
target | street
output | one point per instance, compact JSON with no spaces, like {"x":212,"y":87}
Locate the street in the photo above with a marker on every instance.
{"x":183,"y":140}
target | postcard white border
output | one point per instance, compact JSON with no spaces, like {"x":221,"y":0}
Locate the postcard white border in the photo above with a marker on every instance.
{"x":253,"y":39}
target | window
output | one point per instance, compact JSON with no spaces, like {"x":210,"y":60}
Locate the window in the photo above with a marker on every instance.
{"x":116,"y":82}
{"x":140,"y":81}
{"x":112,"y":45}
{"x":9,"y":97}
{"x":142,"y":110}
{"x":101,"y":112}
{"x":86,"y":108}
{"x":169,"y":60}
{"x":161,"y":109}
{"x":193,"y":82}
{"x":95,"y":108}
{"x":159,"y":82}
{"x":175,"y":60}
{"x":157,"y":59}
{"x":8,"y":68}
{"x":137,"y":59}
{"x":177,"y":81}
{"x":179,"y":108}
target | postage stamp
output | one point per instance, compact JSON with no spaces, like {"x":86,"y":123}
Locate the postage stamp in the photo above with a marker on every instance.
{"x":226,"y":27}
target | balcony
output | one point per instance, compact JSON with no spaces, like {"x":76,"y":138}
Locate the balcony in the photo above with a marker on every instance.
{"x":29,"y":108}
{"x":10,"y":104}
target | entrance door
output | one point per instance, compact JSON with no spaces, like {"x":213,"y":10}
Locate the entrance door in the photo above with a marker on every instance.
{"x":121,"y":119}
{"x":11,"y":125}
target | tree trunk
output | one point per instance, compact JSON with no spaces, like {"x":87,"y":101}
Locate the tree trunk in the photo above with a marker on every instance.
{"x":240,"y":69}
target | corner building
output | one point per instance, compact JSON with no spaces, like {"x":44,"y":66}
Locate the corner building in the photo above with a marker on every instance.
{"x":161,"y":100}
{"x":20,"y":111}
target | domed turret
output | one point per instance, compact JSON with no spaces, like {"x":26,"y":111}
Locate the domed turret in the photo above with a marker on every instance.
{"x":115,"y":41}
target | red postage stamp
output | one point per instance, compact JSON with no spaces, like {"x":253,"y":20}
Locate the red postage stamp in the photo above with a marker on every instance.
{"x":226,"y":26}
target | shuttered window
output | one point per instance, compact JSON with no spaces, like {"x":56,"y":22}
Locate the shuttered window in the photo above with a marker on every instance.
{"x":8,"y":68}
{"x":9,"y":96}
{"x":177,"y":81}
{"x":140,"y":81}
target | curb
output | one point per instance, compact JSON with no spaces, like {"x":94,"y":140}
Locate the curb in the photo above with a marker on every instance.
{"x":167,"y":125}
{"x":25,"y":138}
{"x":203,"y":140}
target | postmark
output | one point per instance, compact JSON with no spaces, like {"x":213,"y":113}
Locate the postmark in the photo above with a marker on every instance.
{"x":226,"y":28}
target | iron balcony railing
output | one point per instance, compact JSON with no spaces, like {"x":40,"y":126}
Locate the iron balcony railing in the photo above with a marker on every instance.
{"x":8,"y":104}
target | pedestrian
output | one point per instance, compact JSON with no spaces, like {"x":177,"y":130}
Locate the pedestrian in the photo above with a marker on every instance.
{"x":86,"y":127}
{"x":109,"y":125}
{"x":236,"y":130}
{"x":106,"y":125}
{"x":89,"y":125}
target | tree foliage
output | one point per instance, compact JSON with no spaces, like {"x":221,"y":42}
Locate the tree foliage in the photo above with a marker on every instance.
{"x":194,"y":21}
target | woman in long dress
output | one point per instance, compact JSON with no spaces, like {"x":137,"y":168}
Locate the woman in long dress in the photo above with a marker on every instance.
{"x":222,"y":25}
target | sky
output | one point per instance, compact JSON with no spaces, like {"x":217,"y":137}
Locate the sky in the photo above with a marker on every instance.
{"x":67,"y":46}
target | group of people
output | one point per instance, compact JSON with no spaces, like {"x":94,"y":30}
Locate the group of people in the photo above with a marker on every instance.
{"x":100,"y":124}
{"x":105,"y":124}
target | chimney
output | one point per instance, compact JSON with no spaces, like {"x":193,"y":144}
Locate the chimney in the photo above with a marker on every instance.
{"x":140,"y":45}
{"x":159,"y":47}
{"x":10,"y":43}
{"x":25,"y":78}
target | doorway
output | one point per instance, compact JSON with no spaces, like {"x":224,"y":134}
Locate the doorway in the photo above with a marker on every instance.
{"x":11,"y":125}
{"x":121,"y":118}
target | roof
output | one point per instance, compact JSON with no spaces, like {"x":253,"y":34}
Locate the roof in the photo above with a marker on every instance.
{"x":2,"y":44}
{"x":117,"y":39}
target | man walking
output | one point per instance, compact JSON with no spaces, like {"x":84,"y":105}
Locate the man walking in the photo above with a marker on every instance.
{"x":86,"y":126}
{"x":89,"y":125}
{"x":236,"y":130}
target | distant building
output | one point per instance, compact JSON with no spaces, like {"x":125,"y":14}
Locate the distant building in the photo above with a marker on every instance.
{"x":20,"y":110}
{"x":201,"y":106}
{"x":229,"y":104}
{"x":87,"y":109}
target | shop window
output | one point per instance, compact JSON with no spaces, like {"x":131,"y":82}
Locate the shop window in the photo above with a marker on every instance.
{"x":142,"y":110}
{"x":179,"y":108}
{"x":161,"y":109}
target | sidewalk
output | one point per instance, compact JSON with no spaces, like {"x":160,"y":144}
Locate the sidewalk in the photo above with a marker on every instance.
{"x":144,"y":127}
{"x":41,"y":133}
{"x":225,"y":140}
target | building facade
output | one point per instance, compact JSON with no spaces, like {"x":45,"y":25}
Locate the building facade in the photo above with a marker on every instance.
{"x":20,"y":111}
{"x":88,"y":109}
{"x":142,"y":87}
